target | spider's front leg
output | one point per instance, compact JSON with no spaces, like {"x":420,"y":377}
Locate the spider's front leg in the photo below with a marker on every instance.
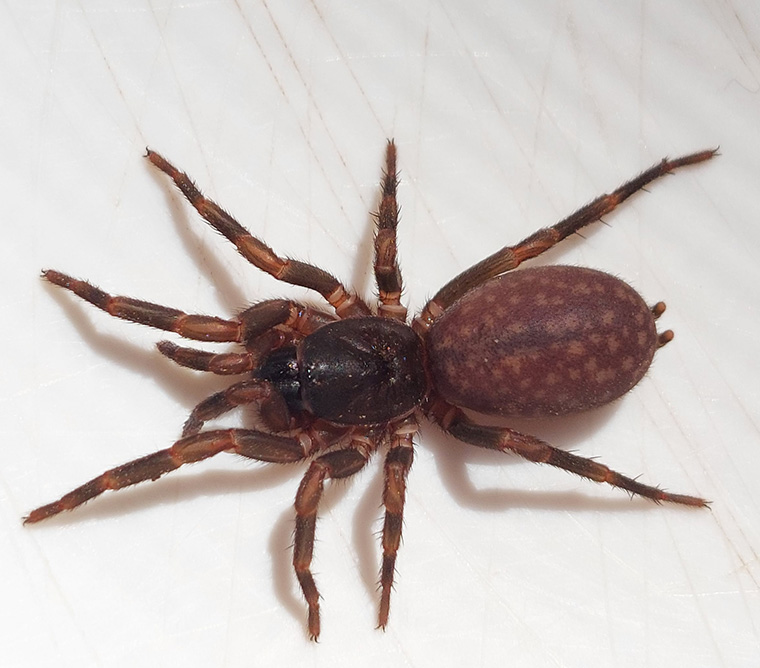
{"x":387,"y":270}
{"x":456,"y":423}
{"x":190,"y":326}
{"x":345,"y":302}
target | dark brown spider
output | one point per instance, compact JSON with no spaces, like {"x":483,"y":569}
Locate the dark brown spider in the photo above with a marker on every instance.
{"x":334,"y":388}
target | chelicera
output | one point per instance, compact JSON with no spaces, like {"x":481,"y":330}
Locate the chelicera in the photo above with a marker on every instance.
{"x":333,"y":386}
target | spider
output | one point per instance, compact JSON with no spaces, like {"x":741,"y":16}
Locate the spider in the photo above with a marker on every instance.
{"x":332,"y":387}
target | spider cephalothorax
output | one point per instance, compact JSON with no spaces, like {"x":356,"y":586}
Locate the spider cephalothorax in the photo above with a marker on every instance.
{"x":333,"y":387}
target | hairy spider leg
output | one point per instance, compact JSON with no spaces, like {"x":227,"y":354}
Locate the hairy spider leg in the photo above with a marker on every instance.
{"x":345,"y":302}
{"x":387,"y":271}
{"x":335,"y":464}
{"x":510,"y":257}
{"x":194,"y":448}
{"x":265,"y":327}
{"x":453,"y":421}
{"x":197,"y":327}
{"x":397,"y":464}
{"x":223,"y":364}
{"x":244,"y":393}
{"x":300,"y":319}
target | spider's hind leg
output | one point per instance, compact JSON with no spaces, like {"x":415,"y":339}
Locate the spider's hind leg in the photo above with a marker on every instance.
{"x":510,"y":257}
{"x":456,"y":423}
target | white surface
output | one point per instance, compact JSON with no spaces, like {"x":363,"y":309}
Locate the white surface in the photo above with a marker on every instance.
{"x":506,"y":119}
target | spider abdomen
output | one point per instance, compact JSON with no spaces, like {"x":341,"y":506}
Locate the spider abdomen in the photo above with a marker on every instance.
{"x":542,"y":341}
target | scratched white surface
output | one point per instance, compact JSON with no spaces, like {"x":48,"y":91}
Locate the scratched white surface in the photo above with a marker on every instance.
{"x":506,"y":119}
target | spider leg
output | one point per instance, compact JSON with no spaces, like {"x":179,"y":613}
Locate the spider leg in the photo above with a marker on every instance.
{"x":387,"y":271}
{"x":336,"y":464}
{"x":198,"y":327}
{"x":297,"y":318}
{"x":223,"y":364}
{"x":196,"y":447}
{"x":258,"y":325}
{"x":244,"y":393}
{"x":398,"y":461}
{"x":509,"y":257}
{"x":456,"y":423}
{"x":345,"y":302}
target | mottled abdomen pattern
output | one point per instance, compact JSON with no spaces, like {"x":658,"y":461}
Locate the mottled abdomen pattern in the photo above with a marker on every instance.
{"x":542,"y":341}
